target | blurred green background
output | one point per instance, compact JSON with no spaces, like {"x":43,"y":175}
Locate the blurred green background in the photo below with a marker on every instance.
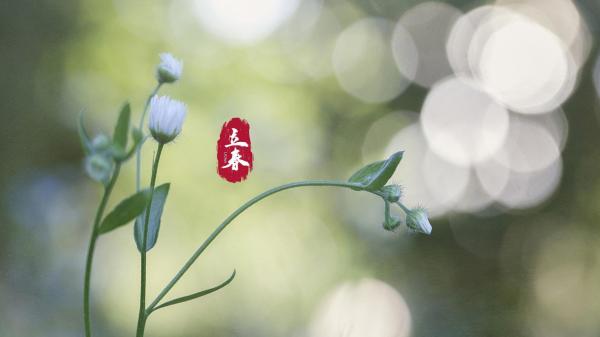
{"x":312,"y":262}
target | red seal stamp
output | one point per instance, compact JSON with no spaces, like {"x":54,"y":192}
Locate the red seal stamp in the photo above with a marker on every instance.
{"x":234,"y":151}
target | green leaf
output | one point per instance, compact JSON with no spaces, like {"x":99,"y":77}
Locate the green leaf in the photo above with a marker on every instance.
{"x":156,"y":209}
{"x":375,"y":175}
{"x":86,"y":143}
{"x":119,"y":154}
{"x":137,"y":135}
{"x":196,"y":295}
{"x":125,"y":211}
{"x":122,"y":128}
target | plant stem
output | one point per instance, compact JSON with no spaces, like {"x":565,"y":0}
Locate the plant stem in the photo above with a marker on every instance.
{"x":92,"y":246}
{"x":138,"y":156}
{"x":404,"y":208}
{"x":142,"y":311}
{"x":231,"y":217}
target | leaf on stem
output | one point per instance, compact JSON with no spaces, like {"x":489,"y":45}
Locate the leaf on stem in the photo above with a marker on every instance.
{"x":125,"y":211}
{"x":196,"y":295}
{"x":122,"y":128}
{"x":156,"y":209}
{"x":375,"y":175}
{"x":86,"y":143}
{"x":137,"y":135}
{"x":119,"y":154}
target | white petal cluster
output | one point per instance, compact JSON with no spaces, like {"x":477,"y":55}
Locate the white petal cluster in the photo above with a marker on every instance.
{"x":169,"y":70}
{"x":166,"y":118}
{"x":416,"y":220}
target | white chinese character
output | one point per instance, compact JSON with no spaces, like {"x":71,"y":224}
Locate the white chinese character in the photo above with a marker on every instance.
{"x":235,"y":160}
{"x":234,"y":140}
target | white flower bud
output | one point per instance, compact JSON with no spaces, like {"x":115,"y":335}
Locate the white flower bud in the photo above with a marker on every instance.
{"x":99,"y":167}
{"x":166,"y":118}
{"x":169,"y":69}
{"x":416,"y":220}
{"x":101,"y":142}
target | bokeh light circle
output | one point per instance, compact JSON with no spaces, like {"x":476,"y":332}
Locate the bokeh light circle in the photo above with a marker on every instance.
{"x":367,"y":308}
{"x":559,"y":16}
{"x":308,"y":38}
{"x":461,"y":36}
{"x":241,"y":21}
{"x":462,"y":123}
{"x":429,"y":24}
{"x":523,"y":64}
{"x":429,"y":180}
{"x":405,"y":52}
{"x":363,"y":63}
{"x":528,"y":189}
{"x":529,"y":146}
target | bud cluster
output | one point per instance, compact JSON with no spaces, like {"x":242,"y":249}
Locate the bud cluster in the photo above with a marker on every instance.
{"x":99,"y":163}
{"x":416,"y":218}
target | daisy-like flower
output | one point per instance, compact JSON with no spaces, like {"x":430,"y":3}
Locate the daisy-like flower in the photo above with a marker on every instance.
{"x":166,"y":118}
{"x":416,"y":220}
{"x":169,"y":70}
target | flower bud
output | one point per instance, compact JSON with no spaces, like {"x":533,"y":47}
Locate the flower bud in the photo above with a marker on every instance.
{"x":100,"y":143}
{"x":392,"y":193}
{"x":416,"y":220}
{"x":169,"y":69}
{"x":99,"y":167}
{"x":391,"y":223}
{"x":166,"y":118}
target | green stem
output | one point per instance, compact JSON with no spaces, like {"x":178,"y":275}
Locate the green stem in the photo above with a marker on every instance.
{"x":142,"y":312}
{"x":92,"y":247}
{"x":404,"y":208}
{"x":138,"y":156}
{"x":231,"y":217}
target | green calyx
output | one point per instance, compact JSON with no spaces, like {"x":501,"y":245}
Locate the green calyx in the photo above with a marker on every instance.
{"x":392,"y":193}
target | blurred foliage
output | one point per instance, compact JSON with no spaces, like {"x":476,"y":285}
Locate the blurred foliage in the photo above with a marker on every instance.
{"x":532,"y":273}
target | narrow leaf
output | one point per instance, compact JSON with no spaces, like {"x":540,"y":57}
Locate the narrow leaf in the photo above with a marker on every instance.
{"x":156,"y":209}
{"x":122,"y":128}
{"x":375,"y":175}
{"x":137,"y":135}
{"x":125,"y":211}
{"x":196,"y":295}
{"x":120,"y":155}
{"x":86,"y":143}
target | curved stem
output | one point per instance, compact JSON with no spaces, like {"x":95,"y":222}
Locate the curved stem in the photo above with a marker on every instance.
{"x":138,"y":156}
{"x":404,"y":208}
{"x":92,"y":247}
{"x":233,"y":215}
{"x":142,"y":312}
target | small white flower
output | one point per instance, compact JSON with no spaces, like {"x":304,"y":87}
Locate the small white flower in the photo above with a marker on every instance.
{"x":166,"y":118}
{"x":416,"y":220}
{"x":169,"y":70}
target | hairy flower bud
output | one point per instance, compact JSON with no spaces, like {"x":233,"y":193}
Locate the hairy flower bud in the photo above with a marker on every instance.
{"x":99,"y":167}
{"x":166,"y":118}
{"x":169,"y":70}
{"x":100,"y":143}
{"x":392,"y":193}
{"x":416,"y":220}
